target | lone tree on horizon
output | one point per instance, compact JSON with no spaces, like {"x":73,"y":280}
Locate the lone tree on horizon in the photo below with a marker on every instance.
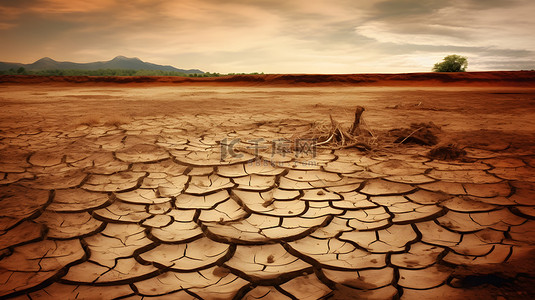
{"x":452,"y":63}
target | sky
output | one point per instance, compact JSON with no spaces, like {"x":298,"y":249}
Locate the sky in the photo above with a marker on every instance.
{"x":274,"y":36}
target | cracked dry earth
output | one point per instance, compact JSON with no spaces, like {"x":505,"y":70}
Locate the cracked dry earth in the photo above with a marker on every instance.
{"x":145,"y":210}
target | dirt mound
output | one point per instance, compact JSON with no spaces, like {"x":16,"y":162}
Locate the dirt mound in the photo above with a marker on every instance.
{"x":418,"y":133}
{"x":449,"y":152}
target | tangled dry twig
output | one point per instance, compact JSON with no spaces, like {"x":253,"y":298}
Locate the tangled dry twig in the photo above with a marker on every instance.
{"x":336,"y":136}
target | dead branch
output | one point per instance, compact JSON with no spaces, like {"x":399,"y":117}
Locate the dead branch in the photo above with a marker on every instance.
{"x":355,"y":128}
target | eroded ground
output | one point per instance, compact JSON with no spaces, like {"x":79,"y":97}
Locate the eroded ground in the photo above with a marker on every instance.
{"x":122,"y":192}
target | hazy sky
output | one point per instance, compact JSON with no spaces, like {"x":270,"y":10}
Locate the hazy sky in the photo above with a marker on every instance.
{"x":274,"y":36}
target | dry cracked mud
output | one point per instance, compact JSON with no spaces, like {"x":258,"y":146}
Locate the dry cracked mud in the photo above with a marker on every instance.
{"x":160,"y":207}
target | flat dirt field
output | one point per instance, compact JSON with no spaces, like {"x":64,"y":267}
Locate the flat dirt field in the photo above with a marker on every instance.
{"x":256,"y":188}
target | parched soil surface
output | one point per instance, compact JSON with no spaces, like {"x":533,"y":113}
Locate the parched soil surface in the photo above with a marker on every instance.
{"x":173,"y":191}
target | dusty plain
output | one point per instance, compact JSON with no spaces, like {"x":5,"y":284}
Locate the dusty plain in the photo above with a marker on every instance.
{"x":155,"y":189}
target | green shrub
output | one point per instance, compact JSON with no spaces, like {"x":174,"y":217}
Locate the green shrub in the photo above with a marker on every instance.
{"x":452,"y":63}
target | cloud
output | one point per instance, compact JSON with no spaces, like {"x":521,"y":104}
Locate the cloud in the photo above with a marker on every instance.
{"x":459,"y":25}
{"x":423,"y":34}
{"x":70,"y":6}
{"x":5,"y":25}
{"x":314,"y":36}
{"x":477,"y":29}
{"x":406,"y":8}
{"x":9,"y":16}
{"x":9,"y":12}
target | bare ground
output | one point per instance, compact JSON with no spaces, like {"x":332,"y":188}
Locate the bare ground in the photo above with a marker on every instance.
{"x":108,"y":144}
{"x":467,"y":115}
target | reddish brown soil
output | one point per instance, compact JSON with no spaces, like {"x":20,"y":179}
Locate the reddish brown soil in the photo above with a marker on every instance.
{"x":473,"y":108}
{"x":501,"y":78}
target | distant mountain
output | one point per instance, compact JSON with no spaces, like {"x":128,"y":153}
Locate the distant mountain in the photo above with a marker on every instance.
{"x":119,"y":62}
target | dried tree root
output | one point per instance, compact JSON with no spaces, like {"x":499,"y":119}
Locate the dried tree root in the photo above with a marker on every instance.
{"x":336,"y":136}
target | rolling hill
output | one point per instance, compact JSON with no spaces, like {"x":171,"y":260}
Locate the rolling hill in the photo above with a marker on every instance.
{"x":119,"y":62}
